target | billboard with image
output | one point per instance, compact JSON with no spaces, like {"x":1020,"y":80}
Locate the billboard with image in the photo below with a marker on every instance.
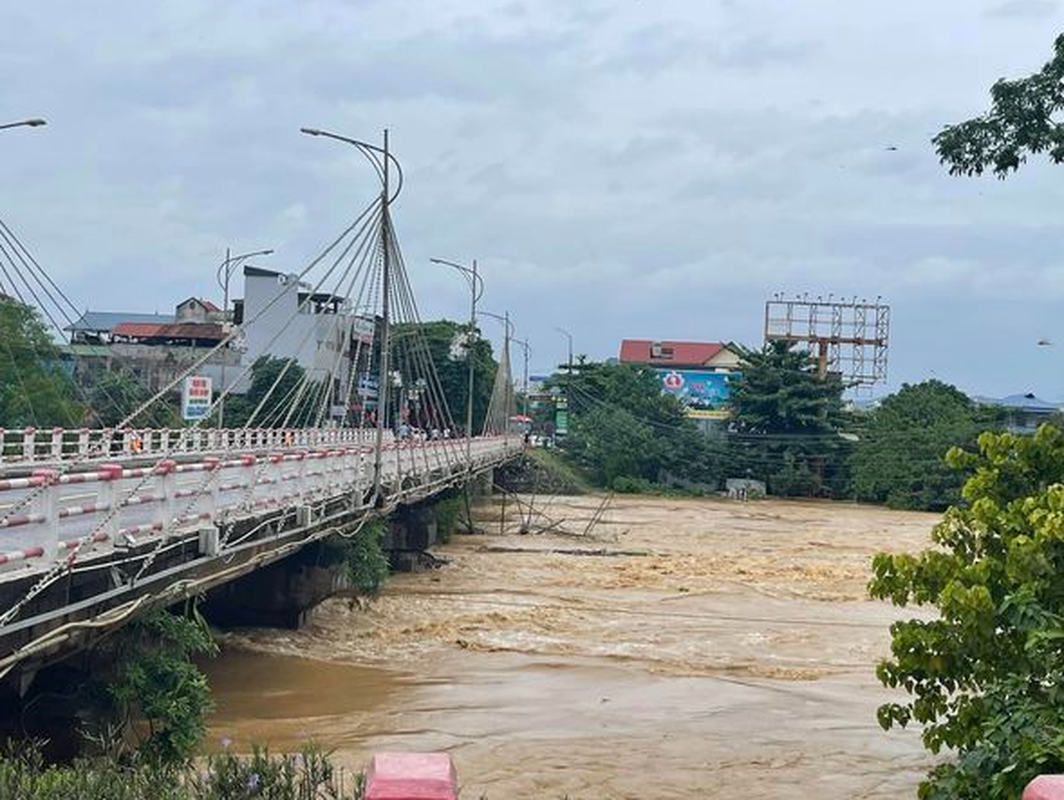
{"x":703,"y":393}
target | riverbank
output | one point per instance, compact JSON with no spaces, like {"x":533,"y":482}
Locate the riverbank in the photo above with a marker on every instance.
{"x":699,"y":647}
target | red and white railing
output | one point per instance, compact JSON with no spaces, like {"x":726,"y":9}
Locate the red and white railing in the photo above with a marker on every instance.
{"x":50,"y":516}
{"x":54,"y":446}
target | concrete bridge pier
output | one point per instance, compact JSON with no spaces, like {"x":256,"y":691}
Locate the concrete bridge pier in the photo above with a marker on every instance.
{"x":280,"y":595}
{"x":412,"y":530}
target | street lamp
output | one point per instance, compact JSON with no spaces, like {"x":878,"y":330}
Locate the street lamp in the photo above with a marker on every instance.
{"x":225,"y":269}
{"x":507,"y":338}
{"x":476,"y":291}
{"x":381,"y":159}
{"x":26,"y":123}
{"x":528,"y":352}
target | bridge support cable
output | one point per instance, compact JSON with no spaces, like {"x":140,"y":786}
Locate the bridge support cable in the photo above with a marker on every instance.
{"x":372,"y":287}
{"x":362,"y":223}
{"x":421,"y":367}
{"x":33,"y":288}
{"x":502,"y":405}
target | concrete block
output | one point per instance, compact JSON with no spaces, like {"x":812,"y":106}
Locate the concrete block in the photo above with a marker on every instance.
{"x":1045,"y":787}
{"x":412,"y":776}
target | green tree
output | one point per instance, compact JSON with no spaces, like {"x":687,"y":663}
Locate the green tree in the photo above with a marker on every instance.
{"x":785,"y":422}
{"x":158,"y":684}
{"x":444,"y":344}
{"x":34,"y":391}
{"x":900,"y":458}
{"x":623,"y":426}
{"x":1021,"y":122}
{"x":115,"y":394}
{"x":986,"y":674}
{"x":276,"y":400}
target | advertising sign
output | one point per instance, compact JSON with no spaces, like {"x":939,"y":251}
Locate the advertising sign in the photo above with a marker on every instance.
{"x":561,"y":417}
{"x":703,"y":394}
{"x":196,"y":398}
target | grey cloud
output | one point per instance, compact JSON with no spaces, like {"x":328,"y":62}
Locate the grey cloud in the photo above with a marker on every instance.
{"x":657,"y":48}
{"x":1024,"y":9}
{"x":616,"y":169}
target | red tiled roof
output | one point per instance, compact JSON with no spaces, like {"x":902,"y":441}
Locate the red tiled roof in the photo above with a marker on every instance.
{"x":210,"y":306}
{"x":180,"y":330}
{"x":687,"y":354}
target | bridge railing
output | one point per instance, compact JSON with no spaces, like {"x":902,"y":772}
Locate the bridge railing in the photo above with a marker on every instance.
{"x":48,"y":516}
{"x":44,"y":446}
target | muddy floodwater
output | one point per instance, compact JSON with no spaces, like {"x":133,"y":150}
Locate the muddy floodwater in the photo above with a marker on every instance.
{"x":680,"y":649}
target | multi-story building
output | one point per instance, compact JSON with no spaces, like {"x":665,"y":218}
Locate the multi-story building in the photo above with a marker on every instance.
{"x":283,"y":317}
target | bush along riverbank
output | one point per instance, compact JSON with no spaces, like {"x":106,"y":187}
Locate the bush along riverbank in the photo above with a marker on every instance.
{"x":306,"y":775}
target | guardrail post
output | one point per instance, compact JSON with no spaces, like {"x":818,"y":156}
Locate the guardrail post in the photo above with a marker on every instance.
{"x":247,"y":462}
{"x":301,"y":480}
{"x":44,"y":506}
{"x":83,"y":442}
{"x":107,"y":500}
{"x":167,"y":483}
{"x":57,"y":443}
{"x":29,"y":435}
{"x":213,"y":464}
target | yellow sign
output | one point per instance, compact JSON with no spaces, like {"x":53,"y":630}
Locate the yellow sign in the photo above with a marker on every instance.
{"x":695,"y":413}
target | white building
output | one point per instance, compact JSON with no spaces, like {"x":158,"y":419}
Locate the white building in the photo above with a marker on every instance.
{"x":282,"y":317}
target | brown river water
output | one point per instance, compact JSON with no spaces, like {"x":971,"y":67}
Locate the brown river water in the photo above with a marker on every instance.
{"x":681,"y":649}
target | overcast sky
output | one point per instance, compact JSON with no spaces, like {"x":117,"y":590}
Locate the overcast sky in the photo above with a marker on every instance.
{"x":622,"y":168}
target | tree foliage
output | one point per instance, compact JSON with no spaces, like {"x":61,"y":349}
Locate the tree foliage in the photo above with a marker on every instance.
{"x":447,"y":349}
{"x":1020,"y":122}
{"x":287,"y":401}
{"x":115,"y":394}
{"x":986,"y":675}
{"x":157,"y":683}
{"x":34,"y":391}
{"x":900,"y":458}
{"x":623,"y":426}
{"x":785,"y":422}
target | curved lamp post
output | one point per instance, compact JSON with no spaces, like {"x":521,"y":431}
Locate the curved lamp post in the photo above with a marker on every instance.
{"x":507,"y":338}
{"x":476,"y":291}
{"x":225,"y":269}
{"x":26,"y":123}
{"x":382,"y":160}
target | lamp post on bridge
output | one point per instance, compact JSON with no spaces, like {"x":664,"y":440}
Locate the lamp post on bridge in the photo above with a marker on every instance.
{"x":476,"y":291}
{"x":527,"y":348}
{"x":382,"y":161}
{"x":36,"y":122}
{"x":225,"y":270}
{"x":508,"y":330}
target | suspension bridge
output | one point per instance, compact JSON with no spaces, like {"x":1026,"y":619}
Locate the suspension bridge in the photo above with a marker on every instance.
{"x":100,"y":522}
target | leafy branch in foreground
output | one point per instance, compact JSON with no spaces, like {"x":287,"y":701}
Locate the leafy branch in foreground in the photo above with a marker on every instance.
{"x":986,"y":676}
{"x":1019,"y":123}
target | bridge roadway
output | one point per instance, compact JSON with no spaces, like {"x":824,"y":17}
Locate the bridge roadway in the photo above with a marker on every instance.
{"x":95,"y":525}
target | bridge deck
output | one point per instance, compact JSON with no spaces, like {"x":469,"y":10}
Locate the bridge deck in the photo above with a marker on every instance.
{"x":74,"y":544}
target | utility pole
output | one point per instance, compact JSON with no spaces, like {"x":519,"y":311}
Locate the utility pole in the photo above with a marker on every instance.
{"x":384,"y":379}
{"x":569,"y":371}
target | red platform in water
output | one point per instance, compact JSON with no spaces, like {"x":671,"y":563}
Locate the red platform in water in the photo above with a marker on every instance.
{"x":1046,"y":787}
{"x":411,"y":776}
